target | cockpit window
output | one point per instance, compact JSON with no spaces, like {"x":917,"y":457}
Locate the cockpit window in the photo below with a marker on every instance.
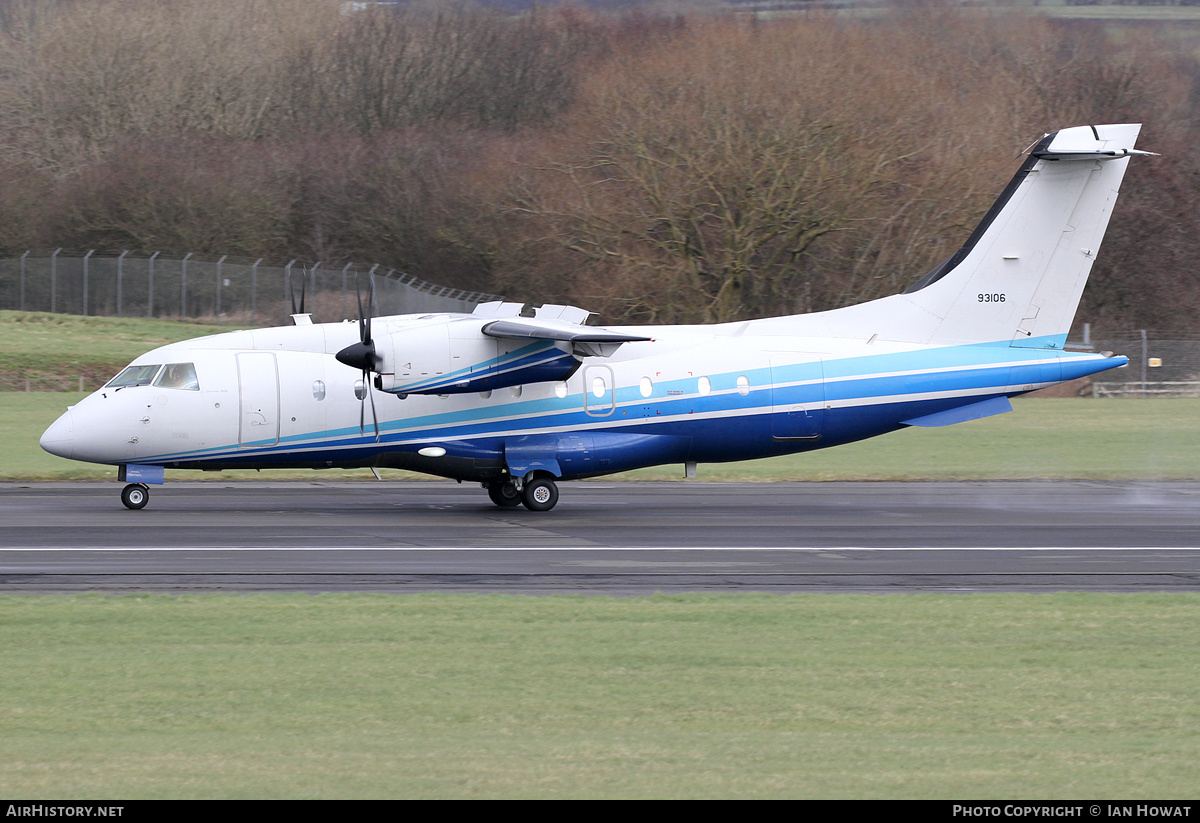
{"x":134,"y":376}
{"x":178,"y":376}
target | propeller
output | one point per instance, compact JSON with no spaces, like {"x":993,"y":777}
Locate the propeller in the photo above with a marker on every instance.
{"x":292,"y":292}
{"x":362,"y":356}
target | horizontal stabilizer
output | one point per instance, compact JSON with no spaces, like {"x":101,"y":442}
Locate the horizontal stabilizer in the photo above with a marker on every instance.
{"x":984,"y":408}
{"x":1091,"y":155}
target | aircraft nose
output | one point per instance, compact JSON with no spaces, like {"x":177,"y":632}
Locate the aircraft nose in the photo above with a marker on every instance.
{"x":59,"y":439}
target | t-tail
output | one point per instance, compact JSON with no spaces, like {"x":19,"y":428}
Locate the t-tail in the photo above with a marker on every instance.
{"x":1019,"y":276}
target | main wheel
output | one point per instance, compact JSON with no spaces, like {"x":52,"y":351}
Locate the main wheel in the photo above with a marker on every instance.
{"x":135,"y":496}
{"x":504,"y":494}
{"x":540,"y":494}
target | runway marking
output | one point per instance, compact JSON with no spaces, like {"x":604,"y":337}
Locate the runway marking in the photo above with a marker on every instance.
{"x":589,"y":548}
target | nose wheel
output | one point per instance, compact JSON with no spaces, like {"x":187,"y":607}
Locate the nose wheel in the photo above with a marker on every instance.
{"x":135,"y":496}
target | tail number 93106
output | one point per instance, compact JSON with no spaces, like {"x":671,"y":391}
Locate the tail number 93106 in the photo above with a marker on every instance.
{"x":991,"y":298}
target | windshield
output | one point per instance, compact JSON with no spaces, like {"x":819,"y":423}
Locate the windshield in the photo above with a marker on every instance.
{"x":178,"y":376}
{"x":134,"y":376}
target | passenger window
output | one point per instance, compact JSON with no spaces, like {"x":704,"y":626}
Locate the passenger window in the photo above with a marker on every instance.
{"x":134,"y":376}
{"x":178,"y":376}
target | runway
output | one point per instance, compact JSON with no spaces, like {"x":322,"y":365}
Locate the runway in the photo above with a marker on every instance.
{"x":604,"y":537}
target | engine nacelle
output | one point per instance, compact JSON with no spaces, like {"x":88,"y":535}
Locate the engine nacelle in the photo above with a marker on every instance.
{"x":455,"y":357}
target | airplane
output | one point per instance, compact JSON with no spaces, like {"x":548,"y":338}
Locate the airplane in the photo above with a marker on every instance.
{"x":519,"y":397}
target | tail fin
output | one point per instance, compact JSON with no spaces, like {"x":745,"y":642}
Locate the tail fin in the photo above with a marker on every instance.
{"x":1020,"y":274}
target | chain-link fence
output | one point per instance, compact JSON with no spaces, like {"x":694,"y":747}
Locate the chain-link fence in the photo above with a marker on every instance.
{"x":1161,"y":364}
{"x":251,"y":292}
{"x":232,"y":289}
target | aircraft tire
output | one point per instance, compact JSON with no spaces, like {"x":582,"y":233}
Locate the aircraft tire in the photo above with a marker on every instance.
{"x":540,"y":494}
{"x":135,"y":496}
{"x":504,"y":495}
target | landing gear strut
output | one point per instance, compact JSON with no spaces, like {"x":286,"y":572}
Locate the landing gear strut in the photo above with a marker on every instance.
{"x":135,"y":496}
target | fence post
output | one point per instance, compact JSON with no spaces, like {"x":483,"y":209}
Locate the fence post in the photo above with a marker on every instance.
{"x":54,"y":280}
{"x":254,"y":286}
{"x":150,"y":287}
{"x":23,"y":256}
{"x":219,"y":262}
{"x":85,"y":281}
{"x":183,"y":286}
{"x":120,"y":272}
{"x":1145,"y":356}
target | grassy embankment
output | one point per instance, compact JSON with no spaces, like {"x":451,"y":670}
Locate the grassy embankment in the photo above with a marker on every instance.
{"x":1003,"y":696}
{"x":40,"y":344}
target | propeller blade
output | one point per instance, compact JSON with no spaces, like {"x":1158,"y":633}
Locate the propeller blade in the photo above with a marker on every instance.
{"x":374,"y":416}
{"x":292,"y":291}
{"x":362,"y":356}
{"x":371,"y":307}
{"x":362,"y":406}
{"x":364,"y":324}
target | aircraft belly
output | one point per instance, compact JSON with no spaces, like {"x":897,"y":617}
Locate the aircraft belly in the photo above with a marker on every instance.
{"x":585,"y":454}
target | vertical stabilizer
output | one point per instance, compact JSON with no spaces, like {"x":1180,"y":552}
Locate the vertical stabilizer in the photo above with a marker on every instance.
{"x":1020,"y":274}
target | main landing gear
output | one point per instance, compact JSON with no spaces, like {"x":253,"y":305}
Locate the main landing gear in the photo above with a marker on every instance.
{"x":135,"y":495}
{"x":538,"y":494}
{"x":504,"y":494}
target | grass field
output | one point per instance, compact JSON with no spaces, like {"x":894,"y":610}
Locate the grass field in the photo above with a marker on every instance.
{"x":1003,"y":696}
{"x":924,"y":696}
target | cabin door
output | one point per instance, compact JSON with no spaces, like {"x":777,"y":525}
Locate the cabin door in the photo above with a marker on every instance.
{"x":258,"y":381}
{"x":797,"y":397}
